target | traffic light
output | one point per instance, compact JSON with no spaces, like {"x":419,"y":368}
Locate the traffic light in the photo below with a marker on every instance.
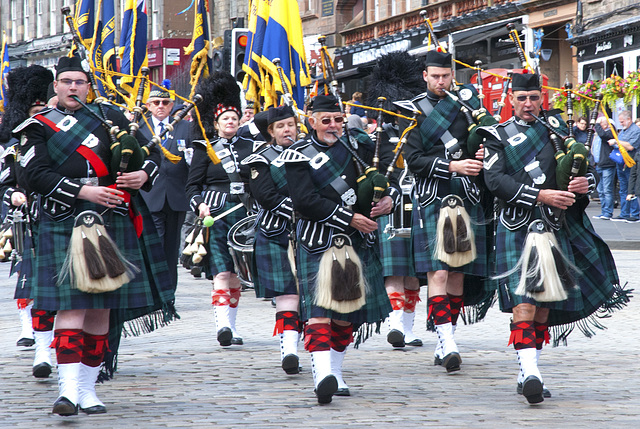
{"x":218,"y":60}
{"x":238,"y":44}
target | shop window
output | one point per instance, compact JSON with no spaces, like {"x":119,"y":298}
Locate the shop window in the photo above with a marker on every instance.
{"x":593,"y":71}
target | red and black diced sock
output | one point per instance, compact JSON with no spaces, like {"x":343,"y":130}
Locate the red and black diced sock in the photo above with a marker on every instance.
{"x":523,"y":335}
{"x":234,"y":297}
{"x":286,"y":321}
{"x":542,"y":334}
{"x":439,"y":309}
{"x":455,"y":303}
{"x":397,"y":300}
{"x":68,"y":344}
{"x":94,"y":349}
{"x":341,"y":336}
{"x":411,"y":299}
{"x":23,"y":303}
{"x":317,"y":337}
{"x":42,"y":320}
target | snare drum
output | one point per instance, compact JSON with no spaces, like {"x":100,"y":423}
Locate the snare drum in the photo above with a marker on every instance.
{"x":240,"y":240}
{"x":400,"y":218}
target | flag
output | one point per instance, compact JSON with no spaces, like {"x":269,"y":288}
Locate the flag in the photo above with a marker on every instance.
{"x":103,"y":48}
{"x":133,"y":42}
{"x":275,"y":31}
{"x":199,"y":47}
{"x":84,"y":16}
{"x":254,"y":82}
{"x":5,"y":67}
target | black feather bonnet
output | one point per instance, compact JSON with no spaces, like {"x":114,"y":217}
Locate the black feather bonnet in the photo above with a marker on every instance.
{"x":220,"y":93}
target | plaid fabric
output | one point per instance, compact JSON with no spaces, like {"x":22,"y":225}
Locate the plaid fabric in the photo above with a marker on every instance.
{"x":597,"y":278}
{"x":339,"y":158}
{"x":518,"y":156}
{"x":377,"y":307}
{"x":273,"y":275}
{"x":396,"y":254}
{"x":278,"y":174}
{"x":51,"y":246}
{"x":218,"y":257}
{"x":424,"y":239}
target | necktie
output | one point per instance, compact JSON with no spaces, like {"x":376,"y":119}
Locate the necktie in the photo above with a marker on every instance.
{"x":161,"y":128}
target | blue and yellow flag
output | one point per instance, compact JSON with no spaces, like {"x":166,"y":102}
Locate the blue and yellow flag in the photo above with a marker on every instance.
{"x":199,"y":47}
{"x":84,"y":16}
{"x":103,"y":47}
{"x":5,"y":68}
{"x":275,"y":31}
{"x":133,"y":41}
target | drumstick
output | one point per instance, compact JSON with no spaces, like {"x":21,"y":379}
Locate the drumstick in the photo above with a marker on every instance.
{"x":231,"y":210}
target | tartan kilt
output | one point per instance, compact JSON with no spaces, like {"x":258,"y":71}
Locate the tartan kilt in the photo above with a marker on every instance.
{"x":597,"y":277}
{"x":273,"y":276}
{"x":396,"y":254}
{"x":377,"y":306}
{"x":218,"y":258}
{"x":424,"y":239}
{"x":144,"y":292}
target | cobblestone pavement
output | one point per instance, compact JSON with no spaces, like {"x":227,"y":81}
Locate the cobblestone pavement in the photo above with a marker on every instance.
{"x":179,"y":377}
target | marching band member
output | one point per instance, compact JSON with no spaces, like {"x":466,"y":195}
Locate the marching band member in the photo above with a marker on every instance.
{"x":274,"y":277}
{"x":446,"y":205}
{"x":520,"y":170}
{"x":215,"y":188}
{"x":333,"y":299}
{"x":65,"y":158}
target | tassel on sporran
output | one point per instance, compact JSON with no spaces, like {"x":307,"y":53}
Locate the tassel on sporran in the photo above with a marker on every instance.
{"x":455,"y":244}
{"x":93,"y":263}
{"x":340,"y":285}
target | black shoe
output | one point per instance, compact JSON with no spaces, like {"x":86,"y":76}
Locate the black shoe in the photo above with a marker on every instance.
{"x":452,"y":362}
{"x":96,"y":409}
{"x":415,"y":343}
{"x":532,"y":389}
{"x":25,"y":342}
{"x":224,"y":336}
{"x":620,"y":219}
{"x":237,"y":341}
{"x":64,"y":407}
{"x":437,"y":361}
{"x":291,"y":364}
{"x":42,"y":370}
{"x":545,"y":392}
{"x":395,"y":338}
{"x":343,"y":391}
{"x":327,"y":387}
{"x":196,"y":272}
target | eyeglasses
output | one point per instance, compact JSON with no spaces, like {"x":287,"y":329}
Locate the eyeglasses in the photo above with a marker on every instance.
{"x":523,"y":98}
{"x":327,"y":121}
{"x":157,"y":102}
{"x":69,"y":82}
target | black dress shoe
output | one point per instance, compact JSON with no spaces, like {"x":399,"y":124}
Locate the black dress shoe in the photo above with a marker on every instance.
{"x":225,"y":336}
{"x":343,"y":391}
{"x":532,"y":389}
{"x":25,"y":342}
{"x":237,"y":341}
{"x":96,"y":409}
{"x":437,"y":361}
{"x":291,"y":364}
{"x":196,"y":272}
{"x":415,"y":343}
{"x":395,"y":338}
{"x":451,"y":362}
{"x":326,"y":389}
{"x":42,"y":370}
{"x":64,"y":407}
{"x":545,"y":392}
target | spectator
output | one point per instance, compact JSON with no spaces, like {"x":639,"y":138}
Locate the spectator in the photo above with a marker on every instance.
{"x":629,"y":138}
{"x":580,"y":129}
{"x":605,"y":167}
{"x":357,"y":99}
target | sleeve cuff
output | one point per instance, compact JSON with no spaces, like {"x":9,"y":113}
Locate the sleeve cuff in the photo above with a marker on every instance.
{"x":284,"y":209}
{"x":339,"y":219}
{"x":526,"y":196}
{"x":440,"y":169}
{"x":65,"y":192}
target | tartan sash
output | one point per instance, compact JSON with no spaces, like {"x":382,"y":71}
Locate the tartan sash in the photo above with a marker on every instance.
{"x":438,"y":122}
{"x":339,"y":159}
{"x":278,"y":175}
{"x":70,"y":132}
{"x":519,"y":155}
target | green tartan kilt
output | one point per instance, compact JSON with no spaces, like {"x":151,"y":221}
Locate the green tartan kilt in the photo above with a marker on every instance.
{"x":218,"y":258}
{"x":273,"y":276}
{"x":395,"y":254}
{"x":597,"y":277}
{"x":147,"y":291}
{"x":377,"y":306}
{"x":424,"y":239}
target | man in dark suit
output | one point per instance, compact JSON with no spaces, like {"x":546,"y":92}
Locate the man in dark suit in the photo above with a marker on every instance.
{"x":167,"y":200}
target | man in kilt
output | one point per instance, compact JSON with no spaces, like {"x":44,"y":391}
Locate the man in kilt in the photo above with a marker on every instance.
{"x":65,"y":158}
{"x":438,"y":157}
{"x":520,"y":170}
{"x":322,"y":179}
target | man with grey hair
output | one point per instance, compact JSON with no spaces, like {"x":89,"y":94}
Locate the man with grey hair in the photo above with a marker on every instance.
{"x":605,"y":167}
{"x":629,"y":138}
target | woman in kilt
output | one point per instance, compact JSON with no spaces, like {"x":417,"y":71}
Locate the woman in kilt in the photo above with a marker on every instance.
{"x":215,"y":188}
{"x":273,"y":274}
{"x":322,"y":177}
{"x":65,"y":158}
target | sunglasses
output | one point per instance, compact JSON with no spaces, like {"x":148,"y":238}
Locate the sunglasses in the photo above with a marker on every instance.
{"x":157,"y":102}
{"x":523,"y":98}
{"x":69,"y":82}
{"x":337,"y":120}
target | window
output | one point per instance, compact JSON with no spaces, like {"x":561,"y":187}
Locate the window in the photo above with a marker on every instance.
{"x":155,"y":20}
{"x":53,"y":13}
{"x":25,"y":20}
{"x":14,"y":20}
{"x":39,"y":24}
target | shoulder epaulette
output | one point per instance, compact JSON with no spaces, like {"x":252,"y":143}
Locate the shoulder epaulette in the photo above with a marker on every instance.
{"x":292,"y":155}
{"x":254,"y":158}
